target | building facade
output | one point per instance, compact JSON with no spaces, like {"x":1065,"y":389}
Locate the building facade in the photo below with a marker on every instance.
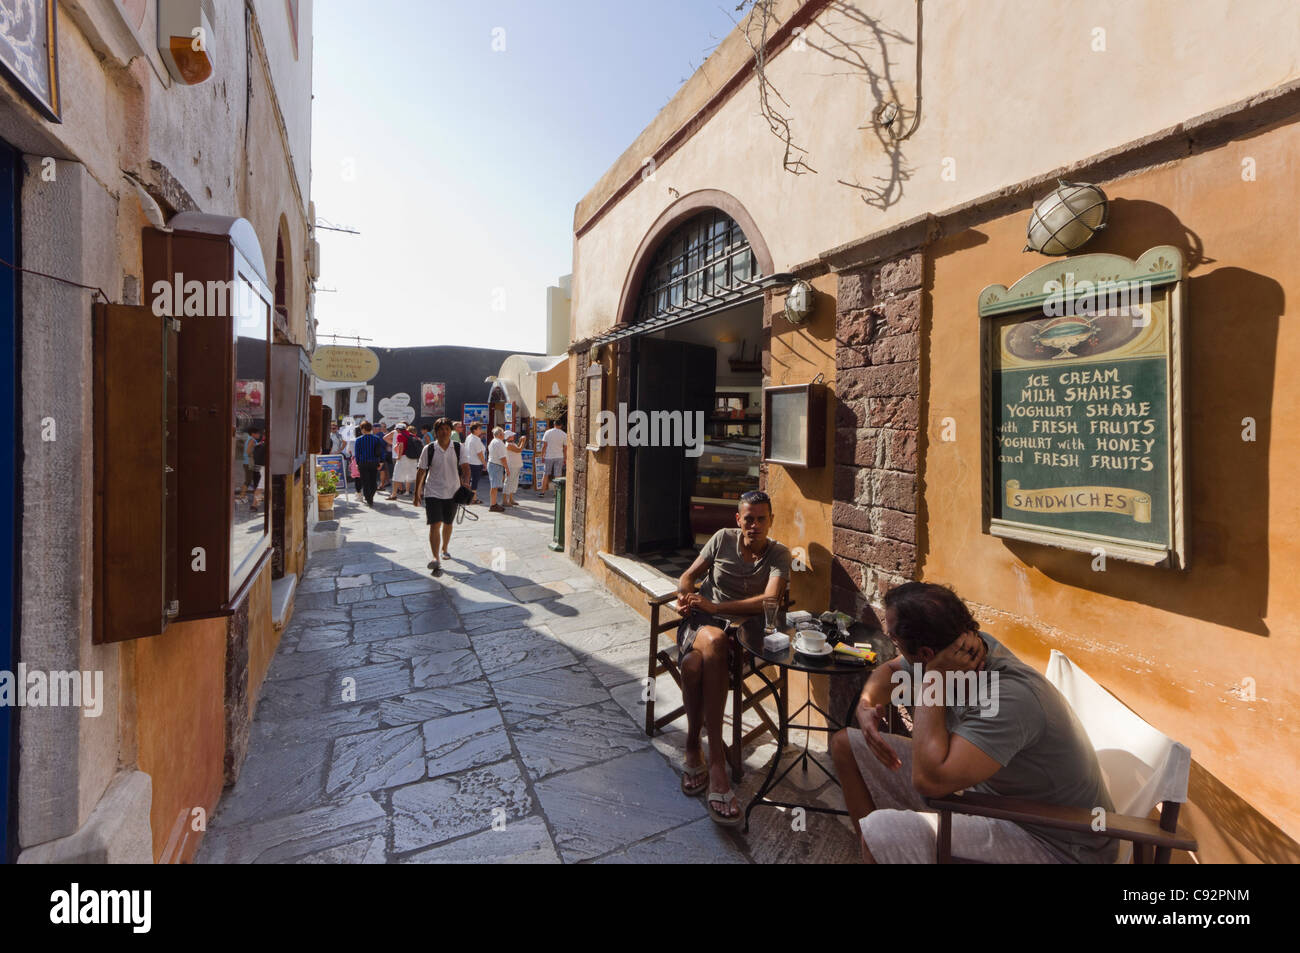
{"x":918,"y":140}
{"x":173,"y":146}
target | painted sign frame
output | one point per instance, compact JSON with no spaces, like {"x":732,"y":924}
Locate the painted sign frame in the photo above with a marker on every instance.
{"x":34,"y":69}
{"x":1084,"y":303}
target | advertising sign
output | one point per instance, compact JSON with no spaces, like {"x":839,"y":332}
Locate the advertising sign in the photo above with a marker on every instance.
{"x":1084,"y":424}
{"x":333,"y":362}
{"x":396,"y":409}
{"x":433,"y":399}
{"x":473,"y":412}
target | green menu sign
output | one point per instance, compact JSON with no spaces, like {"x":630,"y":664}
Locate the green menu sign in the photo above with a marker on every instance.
{"x":1082,"y":388}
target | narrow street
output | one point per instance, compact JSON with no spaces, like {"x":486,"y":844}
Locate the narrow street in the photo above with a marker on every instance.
{"x":497,"y":716}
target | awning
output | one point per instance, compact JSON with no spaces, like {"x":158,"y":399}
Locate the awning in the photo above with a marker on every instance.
{"x":710,"y":304}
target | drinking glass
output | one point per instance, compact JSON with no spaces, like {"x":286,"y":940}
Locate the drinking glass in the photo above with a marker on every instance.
{"x":770,"y":608}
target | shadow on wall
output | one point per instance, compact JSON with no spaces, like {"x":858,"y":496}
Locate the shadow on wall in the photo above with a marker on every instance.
{"x":1232,"y":327}
{"x":1216,"y":814}
{"x":857,"y":57}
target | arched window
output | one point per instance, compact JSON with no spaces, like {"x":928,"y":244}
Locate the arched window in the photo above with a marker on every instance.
{"x":705,"y":261}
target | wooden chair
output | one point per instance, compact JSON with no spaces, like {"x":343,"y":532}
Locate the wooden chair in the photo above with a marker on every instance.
{"x":1142,"y":768}
{"x":667,"y":660}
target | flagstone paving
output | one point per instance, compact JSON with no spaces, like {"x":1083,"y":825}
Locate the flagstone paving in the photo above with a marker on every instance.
{"x":493,"y":714}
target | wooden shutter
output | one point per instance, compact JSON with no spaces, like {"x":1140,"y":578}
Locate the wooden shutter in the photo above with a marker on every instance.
{"x":134,"y":466}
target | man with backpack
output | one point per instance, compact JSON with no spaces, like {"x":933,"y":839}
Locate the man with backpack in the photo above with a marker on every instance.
{"x":442,"y":476}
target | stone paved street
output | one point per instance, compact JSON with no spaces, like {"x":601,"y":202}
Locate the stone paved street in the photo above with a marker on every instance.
{"x":496,"y":717}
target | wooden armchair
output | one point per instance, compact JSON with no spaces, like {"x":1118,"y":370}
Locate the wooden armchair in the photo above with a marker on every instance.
{"x":667,"y":660}
{"x":1142,"y":767}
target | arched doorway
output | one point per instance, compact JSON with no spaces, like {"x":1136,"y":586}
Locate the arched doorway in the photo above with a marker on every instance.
{"x":689,"y":365}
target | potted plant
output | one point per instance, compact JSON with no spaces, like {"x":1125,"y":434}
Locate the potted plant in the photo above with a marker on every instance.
{"x":327,"y":487}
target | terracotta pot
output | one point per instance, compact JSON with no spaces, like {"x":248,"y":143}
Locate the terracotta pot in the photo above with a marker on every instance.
{"x":325,"y":502}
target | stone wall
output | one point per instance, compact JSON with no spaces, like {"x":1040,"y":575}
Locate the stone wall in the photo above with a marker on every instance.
{"x":873,"y":517}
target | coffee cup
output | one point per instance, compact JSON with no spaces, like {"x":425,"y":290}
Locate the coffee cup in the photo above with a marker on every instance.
{"x":812,"y":640}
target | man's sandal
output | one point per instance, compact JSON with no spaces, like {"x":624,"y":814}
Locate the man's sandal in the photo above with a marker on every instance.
{"x":700,"y":771}
{"x":725,"y":799}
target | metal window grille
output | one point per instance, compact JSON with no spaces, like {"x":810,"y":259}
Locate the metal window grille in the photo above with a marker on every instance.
{"x":703,"y":263}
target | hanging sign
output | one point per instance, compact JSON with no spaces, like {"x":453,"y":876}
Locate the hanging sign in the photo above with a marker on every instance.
{"x":332,"y":362}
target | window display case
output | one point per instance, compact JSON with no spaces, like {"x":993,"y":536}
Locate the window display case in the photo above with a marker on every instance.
{"x":213,"y":271}
{"x":726,"y":469}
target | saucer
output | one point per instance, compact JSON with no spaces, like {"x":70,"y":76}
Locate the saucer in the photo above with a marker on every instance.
{"x":826,"y":649}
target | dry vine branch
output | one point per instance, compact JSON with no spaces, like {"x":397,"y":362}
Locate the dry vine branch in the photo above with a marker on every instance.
{"x":762,"y":12}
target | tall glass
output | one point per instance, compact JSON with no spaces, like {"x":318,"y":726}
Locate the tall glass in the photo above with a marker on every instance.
{"x":770,"y":608}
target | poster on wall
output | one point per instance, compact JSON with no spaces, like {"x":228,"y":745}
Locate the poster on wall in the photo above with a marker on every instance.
{"x":1083,"y":407}
{"x":29,"y":56}
{"x":510,"y":414}
{"x":433,"y":399}
{"x":473,"y":412}
{"x":249,"y":399}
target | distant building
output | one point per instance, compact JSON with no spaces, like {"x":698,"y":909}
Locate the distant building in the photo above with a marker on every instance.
{"x":462,"y":373}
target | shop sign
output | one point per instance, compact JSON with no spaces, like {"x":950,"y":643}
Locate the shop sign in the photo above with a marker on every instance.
{"x":1082,"y":395}
{"x":334,"y":362}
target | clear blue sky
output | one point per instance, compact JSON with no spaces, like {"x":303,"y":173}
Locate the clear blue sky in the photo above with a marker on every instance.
{"x":461,"y":165}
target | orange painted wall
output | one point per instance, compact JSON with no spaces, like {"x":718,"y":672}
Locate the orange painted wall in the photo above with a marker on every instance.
{"x":180,"y":683}
{"x":801,"y":498}
{"x":1178,"y":647}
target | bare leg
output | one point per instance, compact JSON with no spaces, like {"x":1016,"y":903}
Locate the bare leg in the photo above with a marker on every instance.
{"x":857,"y":796}
{"x":692,"y":685}
{"x":712,"y":643}
{"x":433,"y":542}
{"x":446,"y":538}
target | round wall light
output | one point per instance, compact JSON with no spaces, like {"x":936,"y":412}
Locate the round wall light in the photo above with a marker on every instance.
{"x":1064,"y":220}
{"x":799,"y":302}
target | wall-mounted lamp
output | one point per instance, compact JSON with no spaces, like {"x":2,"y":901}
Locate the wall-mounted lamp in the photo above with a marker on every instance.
{"x":799,"y":302}
{"x":886,"y":115}
{"x":1065,"y":220}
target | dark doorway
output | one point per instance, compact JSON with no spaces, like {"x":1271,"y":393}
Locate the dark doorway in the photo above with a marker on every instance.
{"x":10,"y":503}
{"x":667,"y":376}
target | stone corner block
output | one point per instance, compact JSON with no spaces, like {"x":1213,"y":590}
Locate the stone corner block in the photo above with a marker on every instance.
{"x":117,"y":831}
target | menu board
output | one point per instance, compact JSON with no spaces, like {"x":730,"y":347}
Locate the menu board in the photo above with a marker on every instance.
{"x":1082,"y":435}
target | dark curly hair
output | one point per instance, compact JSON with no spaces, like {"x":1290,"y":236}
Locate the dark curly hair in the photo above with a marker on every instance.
{"x":927,"y":615}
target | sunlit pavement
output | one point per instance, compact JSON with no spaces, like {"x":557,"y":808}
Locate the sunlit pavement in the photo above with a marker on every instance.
{"x":493,"y":714}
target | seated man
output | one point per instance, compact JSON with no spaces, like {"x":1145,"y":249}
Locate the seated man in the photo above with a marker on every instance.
{"x":1017,"y":737}
{"x":744,"y":567}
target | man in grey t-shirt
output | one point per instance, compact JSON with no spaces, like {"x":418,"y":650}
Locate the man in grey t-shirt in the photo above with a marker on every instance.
{"x":1001,"y":728}
{"x":743,"y":568}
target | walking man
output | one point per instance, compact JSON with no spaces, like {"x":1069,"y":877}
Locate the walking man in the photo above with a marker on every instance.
{"x":440,"y":472}
{"x":498,"y":468}
{"x":476,"y":455}
{"x":554,"y":441}
{"x":369,"y":453}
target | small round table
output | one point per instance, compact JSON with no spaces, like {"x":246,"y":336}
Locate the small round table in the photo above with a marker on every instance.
{"x":750,"y":639}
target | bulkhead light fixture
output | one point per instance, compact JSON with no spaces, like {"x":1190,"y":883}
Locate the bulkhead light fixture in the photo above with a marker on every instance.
{"x":799,"y":303}
{"x":1067,"y":218}
{"x":186,"y":38}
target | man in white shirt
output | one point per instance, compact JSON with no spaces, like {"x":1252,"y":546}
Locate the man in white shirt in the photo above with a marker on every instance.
{"x":440,"y":472}
{"x":475,"y":456}
{"x":554,"y":442}
{"x":498,"y":469}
